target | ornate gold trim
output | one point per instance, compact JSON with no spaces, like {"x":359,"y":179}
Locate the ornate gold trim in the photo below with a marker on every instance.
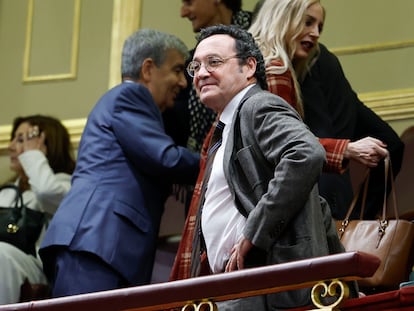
{"x":75,"y":128}
{"x":5,"y":131}
{"x":74,"y":51}
{"x":389,"y":105}
{"x":125,"y":20}
{"x":369,"y":48}
{"x":204,"y":305}
{"x":337,"y":291}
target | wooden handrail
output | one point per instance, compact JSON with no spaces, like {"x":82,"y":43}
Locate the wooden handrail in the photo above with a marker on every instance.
{"x":249,"y":282}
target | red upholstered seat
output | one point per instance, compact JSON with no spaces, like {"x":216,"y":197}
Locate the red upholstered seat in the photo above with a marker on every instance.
{"x":402,"y":299}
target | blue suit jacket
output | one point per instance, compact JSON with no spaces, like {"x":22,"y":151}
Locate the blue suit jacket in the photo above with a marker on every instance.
{"x":126,"y":164}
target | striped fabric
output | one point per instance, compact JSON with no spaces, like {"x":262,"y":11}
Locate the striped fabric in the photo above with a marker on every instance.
{"x":283,"y":86}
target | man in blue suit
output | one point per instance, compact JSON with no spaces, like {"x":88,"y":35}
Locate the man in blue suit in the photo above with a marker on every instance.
{"x":104,"y":233}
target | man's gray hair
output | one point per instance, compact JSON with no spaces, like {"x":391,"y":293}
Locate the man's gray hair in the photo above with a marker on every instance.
{"x":148,"y":43}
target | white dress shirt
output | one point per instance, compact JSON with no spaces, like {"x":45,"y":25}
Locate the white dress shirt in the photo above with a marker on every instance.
{"x":222,"y":224}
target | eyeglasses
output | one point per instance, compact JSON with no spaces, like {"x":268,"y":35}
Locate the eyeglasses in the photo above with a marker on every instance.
{"x":212,"y":63}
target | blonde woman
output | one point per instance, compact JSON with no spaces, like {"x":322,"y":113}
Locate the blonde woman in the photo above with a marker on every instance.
{"x":287,"y":32}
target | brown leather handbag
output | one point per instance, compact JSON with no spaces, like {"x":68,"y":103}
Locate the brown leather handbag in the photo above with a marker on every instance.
{"x":389,"y":239}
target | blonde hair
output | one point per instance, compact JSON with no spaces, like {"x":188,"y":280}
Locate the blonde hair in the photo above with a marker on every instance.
{"x":275,"y":28}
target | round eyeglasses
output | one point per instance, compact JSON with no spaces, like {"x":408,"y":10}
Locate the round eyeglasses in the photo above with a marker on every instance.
{"x":211,"y":64}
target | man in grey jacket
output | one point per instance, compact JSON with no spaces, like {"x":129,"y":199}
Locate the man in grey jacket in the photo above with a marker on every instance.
{"x":260,"y":204}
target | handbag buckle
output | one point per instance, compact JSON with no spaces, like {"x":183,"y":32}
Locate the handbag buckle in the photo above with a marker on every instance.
{"x":341,"y":230}
{"x":381,"y":230}
{"x":12,"y":228}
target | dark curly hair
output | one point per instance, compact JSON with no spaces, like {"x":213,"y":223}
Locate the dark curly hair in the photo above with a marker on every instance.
{"x":245,"y":47}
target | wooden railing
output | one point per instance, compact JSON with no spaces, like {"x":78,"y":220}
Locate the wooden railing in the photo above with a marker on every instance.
{"x":321,"y":273}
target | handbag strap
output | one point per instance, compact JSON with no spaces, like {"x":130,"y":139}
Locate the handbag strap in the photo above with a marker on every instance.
{"x":345,"y":221}
{"x":389,"y":176}
{"x":363,"y":185}
{"x":383,"y":222}
{"x":18,"y":198}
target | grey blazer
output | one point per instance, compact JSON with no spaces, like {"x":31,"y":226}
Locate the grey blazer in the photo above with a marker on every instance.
{"x":272,"y":164}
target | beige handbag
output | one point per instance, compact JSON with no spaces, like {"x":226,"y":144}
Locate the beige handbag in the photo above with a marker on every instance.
{"x":389,"y":239}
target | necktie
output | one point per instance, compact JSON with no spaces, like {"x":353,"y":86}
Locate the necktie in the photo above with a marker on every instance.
{"x":216,"y":139}
{"x":187,"y":262}
{"x":198,"y":250}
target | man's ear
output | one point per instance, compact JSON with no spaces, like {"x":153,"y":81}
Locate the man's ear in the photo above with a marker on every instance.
{"x":146,"y":69}
{"x":251,"y":63}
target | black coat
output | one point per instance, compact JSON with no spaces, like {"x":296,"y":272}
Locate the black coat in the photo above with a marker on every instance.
{"x":333,"y":110}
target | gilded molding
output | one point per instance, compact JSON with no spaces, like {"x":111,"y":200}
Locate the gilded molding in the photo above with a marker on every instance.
{"x":125,"y":20}
{"x":5,"y":131}
{"x":389,"y":105}
{"x":337,"y":290}
{"x":74,"y":49}
{"x":75,"y":128}
{"x":369,"y":48}
{"x":204,"y":305}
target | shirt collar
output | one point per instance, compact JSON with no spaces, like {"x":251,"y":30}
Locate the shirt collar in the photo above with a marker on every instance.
{"x":227,"y":115}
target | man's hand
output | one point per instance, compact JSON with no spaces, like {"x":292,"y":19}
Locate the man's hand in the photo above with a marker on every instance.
{"x":238,"y":252}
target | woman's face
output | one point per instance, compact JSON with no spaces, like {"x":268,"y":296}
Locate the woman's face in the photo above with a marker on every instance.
{"x":26,"y":137}
{"x":201,"y":13}
{"x":309,"y":37}
{"x":16,"y":146}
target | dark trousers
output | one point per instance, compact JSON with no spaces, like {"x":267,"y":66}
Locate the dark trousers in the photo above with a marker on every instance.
{"x":83,"y":272}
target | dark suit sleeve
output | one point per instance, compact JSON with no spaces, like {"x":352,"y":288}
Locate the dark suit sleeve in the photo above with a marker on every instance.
{"x":296,"y":158}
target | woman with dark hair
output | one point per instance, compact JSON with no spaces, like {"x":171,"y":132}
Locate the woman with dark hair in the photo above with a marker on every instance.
{"x":41,"y":155}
